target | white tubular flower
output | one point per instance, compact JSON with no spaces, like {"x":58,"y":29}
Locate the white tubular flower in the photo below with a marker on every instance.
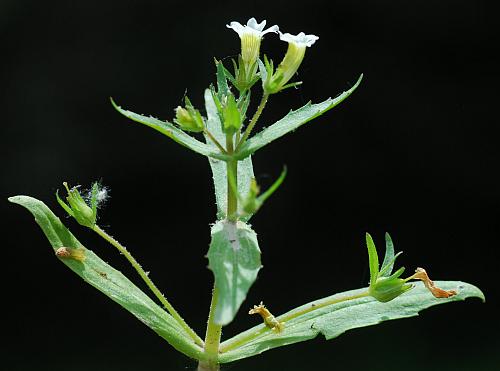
{"x":301,"y":39}
{"x":250,"y":36}
{"x":297,"y":45}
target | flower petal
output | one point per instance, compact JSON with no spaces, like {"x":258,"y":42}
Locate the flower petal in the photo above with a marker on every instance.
{"x":274,"y":29}
{"x":236,"y":26}
{"x":301,"y":40}
{"x":252,"y":27}
{"x":252,"y":23}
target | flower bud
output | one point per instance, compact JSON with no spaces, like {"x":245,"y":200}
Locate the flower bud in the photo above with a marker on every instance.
{"x":251,"y":204}
{"x":79,"y":209}
{"x":387,"y":288}
{"x":189,"y":118}
{"x":231,"y":115}
{"x":254,"y":200}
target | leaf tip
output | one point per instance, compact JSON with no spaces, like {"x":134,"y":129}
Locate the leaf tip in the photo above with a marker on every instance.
{"x":12,"y":199}
{"x":114,"y":104}
{"x":17,"y":199}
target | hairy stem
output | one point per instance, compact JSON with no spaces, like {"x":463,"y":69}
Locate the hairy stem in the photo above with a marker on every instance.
{"x":232,"y":173}
{"x":252,"y":123}
{"x":150,"y":284}
{"x":215,"y":141}
{"x":238,"y":341}
{"x":214,"y":330}
{"x":212,"y":338}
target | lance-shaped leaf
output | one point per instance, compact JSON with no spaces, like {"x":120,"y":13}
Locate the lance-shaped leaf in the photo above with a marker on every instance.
{"x":108,"y":280}
{"x":292,"y":121}
{"x":336,"y":314}
{"x":171,"y":131}
{"x":234,"y":258}
{"x":219,"y":168}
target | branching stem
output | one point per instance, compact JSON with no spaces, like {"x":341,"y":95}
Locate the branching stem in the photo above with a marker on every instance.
{"x":252,"y":123}
{"x":214,"y":140}
{"x":150,"y":284}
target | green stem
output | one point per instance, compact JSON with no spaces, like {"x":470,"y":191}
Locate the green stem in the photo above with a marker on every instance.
{"x":237,"y":342}
{"x":212,"y":337}
{"x":252,"y":123}
{"x":149,"y":283}
{"x":232,"y":177}
{"x":215,"y":141}
{"x":214,"y":330}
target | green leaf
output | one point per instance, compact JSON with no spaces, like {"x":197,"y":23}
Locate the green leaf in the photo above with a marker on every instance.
{"x":334,"y":315}
{"x":234,"y":258}
{"x":219,"y":170}
{"x":109,"y":281}
{"x":372,"y":259}
{"x":292,"y":121}
{"x":389,"y":258}
{"x":172,"y":132}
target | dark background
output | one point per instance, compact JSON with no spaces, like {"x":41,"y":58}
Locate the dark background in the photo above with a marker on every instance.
{"x":414,"y":151}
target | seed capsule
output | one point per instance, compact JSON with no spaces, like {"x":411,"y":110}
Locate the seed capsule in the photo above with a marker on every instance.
{"x":70,"y":253}
{"x":269,"y":320}
{"x":421,"y":274}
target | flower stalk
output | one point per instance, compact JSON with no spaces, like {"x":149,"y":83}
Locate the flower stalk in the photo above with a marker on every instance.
{"x":149,"y":283}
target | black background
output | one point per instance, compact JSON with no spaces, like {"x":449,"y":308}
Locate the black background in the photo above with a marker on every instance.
{"x":413,"y":151}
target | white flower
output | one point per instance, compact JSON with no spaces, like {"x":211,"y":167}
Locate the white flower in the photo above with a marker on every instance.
{"x":250,"y":36}
{"x":301,"y":40}
{"x":252,"y":28}
{"x":297,"y":45}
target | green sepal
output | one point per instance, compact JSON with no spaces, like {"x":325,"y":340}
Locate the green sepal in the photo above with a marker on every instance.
{"x":291,"y":122}
{"x":189,"y":118}
{"x":291,"y":85}
{"x":372,"y":259}
{"x":383,"y":286}
{"x":232,"y":116}
{"x":108,"y":280}
{"x":228,"y":74}
{"x":253,"y":202}
{"x":94,"y":192}
{"x":234,"y":258}
{"x":243,"y":103}
{"x":389,"y":288}
{"x":334,"y":315}
{"x":389,"y":257}
{"x":244,"y":79}
{"x":266,"y":71}
{"x":78,"y":208}
{"x":222,"y":87}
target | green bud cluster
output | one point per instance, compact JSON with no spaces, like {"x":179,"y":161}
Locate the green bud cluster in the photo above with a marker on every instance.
{"x":189,"y":118}
{"x":383,"y":286}
{"x":78,"y":208}
{"x":251,"y":204}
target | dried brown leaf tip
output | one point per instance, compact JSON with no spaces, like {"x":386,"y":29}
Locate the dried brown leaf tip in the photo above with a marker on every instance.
{"x":269,"y":320}
{"x":421,"y":274}
{"x":71,"y":253}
